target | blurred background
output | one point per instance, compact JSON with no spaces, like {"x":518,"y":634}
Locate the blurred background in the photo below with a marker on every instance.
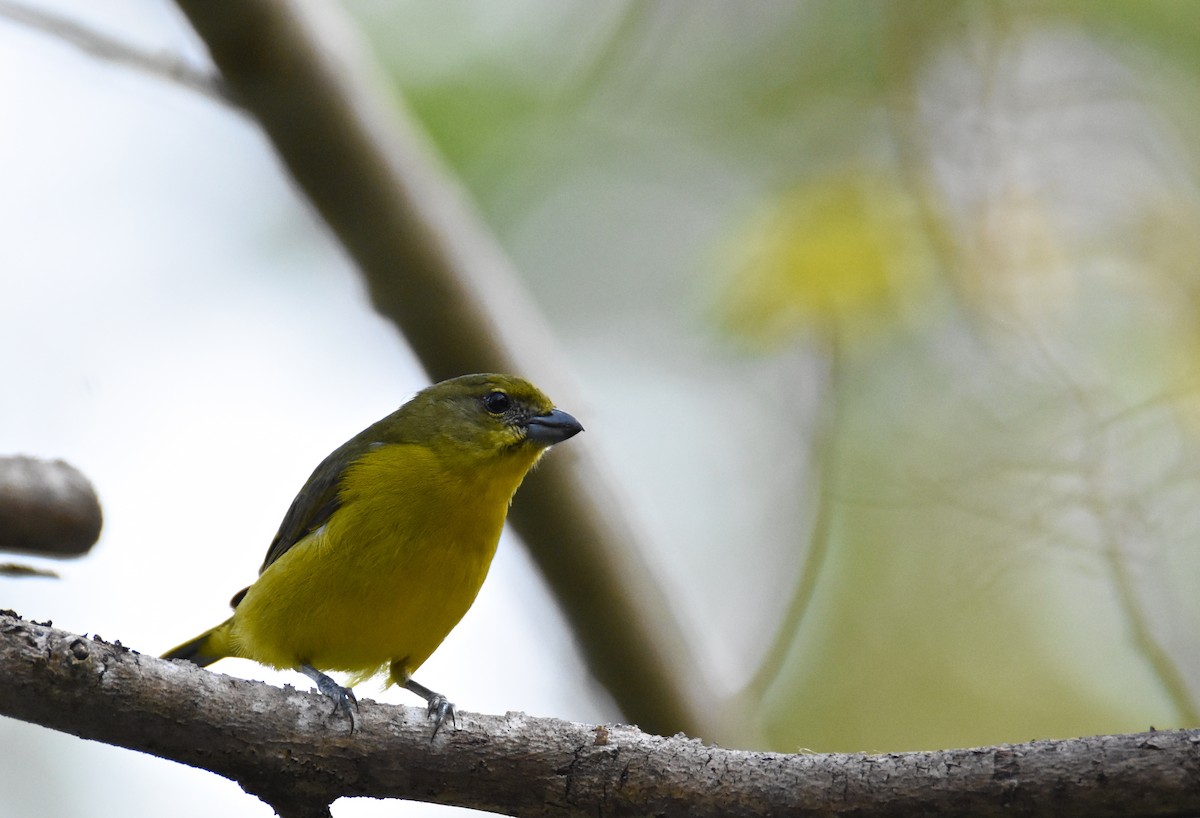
{"x":886,"y":317}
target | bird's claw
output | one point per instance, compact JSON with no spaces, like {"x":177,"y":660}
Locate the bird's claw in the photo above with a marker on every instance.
{"x":438,"y":709}
{"x":437,"y":706}
{"x":343,"y":697}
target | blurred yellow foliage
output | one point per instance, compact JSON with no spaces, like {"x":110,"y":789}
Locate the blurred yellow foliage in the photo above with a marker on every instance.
{"x":841,"y":250}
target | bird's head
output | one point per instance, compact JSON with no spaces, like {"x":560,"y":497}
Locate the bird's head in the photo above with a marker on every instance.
{"x":487,"y":415}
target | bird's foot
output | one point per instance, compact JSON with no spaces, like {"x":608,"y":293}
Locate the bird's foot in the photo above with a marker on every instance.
{"x":438,"y":707}
{"x":343,"y":697}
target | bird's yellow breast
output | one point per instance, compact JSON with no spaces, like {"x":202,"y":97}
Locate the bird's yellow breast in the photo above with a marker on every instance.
{"x":392,"y":570}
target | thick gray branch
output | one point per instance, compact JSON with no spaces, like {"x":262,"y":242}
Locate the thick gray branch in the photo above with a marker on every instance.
{"x":289,"y":749}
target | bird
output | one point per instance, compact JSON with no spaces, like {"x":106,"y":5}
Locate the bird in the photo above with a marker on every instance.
{"x":386,"y":545}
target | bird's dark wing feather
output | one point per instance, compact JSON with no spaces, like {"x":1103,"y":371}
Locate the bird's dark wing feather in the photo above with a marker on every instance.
{"x":313,"y":506}
{"x":319,"y":498}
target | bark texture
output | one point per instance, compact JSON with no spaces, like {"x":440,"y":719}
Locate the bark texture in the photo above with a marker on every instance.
{"x":288,"y":748}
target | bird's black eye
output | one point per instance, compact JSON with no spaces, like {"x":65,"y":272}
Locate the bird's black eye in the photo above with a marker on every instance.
{"x":497,"y":403}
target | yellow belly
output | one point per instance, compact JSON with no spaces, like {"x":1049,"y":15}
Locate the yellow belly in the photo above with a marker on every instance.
{"x":385,"y":580}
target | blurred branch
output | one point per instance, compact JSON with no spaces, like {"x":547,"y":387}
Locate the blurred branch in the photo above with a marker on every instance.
{"x":1118,"y":547}
{"x":285,"y":747}
{"x":16,"y":569}
{"x":912,"y":33}
{"x":824,"y":468}
{"x":100,"y":45}
{"x":47,"y":507}
{"x":1137,"y":622}
{"x":433,"y":268}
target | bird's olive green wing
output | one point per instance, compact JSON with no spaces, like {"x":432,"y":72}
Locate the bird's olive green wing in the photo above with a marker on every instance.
{"x":312,"y":508}
{"x":315,"y":503}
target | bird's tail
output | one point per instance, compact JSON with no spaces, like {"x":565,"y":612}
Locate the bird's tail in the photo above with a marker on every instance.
{"x":206,"y":648}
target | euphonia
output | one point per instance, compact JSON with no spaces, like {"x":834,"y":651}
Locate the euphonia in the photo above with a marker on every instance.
{"x":387,"y":544}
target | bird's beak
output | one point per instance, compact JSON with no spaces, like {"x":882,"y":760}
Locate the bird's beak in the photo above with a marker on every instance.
{"x":553,"y":427}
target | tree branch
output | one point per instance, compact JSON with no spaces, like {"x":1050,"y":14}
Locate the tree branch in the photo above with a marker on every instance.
{"x":47,"y":507}
{"x":434,"y":269}
{"x":288,"y":748}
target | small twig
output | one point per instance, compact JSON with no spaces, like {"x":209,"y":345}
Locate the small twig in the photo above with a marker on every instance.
{"x":102,"y":46}
{"x":16,"y":569}
{"x":823,"y":510}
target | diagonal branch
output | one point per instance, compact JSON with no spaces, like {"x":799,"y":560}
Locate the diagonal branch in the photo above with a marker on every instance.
{"x":287,"y":748}
{"x":434,"y":269}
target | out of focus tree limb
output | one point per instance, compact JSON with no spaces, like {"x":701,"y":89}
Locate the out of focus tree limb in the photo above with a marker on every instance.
{"x":287,"y":748}
{"x":47,"y":508}
{"x":433,"y":268}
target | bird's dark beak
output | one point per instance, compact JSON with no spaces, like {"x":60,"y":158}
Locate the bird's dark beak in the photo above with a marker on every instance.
{"x":553,"y":427}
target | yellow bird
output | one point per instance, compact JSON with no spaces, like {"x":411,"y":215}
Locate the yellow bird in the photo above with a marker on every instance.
{"x":387,"y":544}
